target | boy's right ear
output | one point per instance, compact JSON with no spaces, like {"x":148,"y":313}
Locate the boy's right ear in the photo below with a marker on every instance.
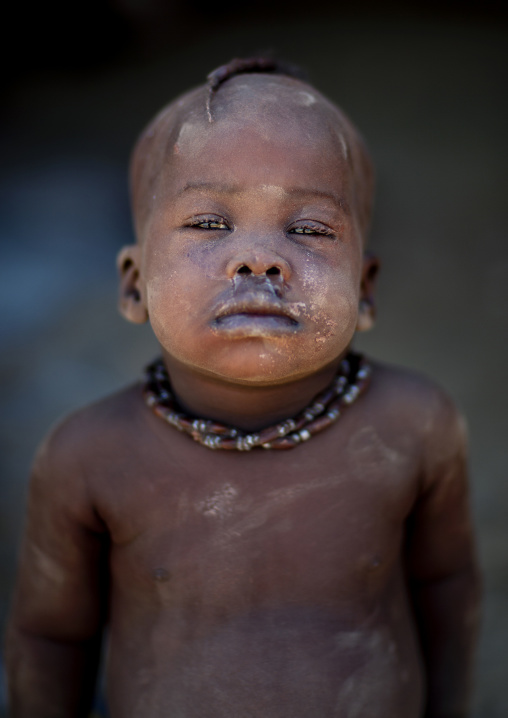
{"x":131,"y":301}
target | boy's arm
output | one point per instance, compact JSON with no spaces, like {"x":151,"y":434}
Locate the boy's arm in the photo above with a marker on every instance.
{"x":442,"y":569}
{"x":54,"y":633}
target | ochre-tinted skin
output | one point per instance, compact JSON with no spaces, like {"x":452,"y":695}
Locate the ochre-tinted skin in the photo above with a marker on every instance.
{"x":337,"y":579}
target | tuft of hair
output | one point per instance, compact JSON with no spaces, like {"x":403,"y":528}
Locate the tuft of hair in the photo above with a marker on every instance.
{"x":242,"y":66}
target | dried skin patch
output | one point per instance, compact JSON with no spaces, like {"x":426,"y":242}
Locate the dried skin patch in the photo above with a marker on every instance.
{"x":306,"y":98}
{"x":370,"y":452}
{"x":343,"y":144}
{"x":48,"y":569}
{"x":366,"y":693}
{"x":275,"y":191}
{"x":219,"y":504}
{"x":274,"y":502}
{"x":191,"y":139}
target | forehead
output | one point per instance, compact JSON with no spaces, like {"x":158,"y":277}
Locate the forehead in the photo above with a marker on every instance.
{"x":258,"y":114}
{"x":261,"y":123}
{"x":243,"y":154}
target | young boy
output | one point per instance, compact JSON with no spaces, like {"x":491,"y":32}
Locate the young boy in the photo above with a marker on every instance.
{"x":237,"y":579}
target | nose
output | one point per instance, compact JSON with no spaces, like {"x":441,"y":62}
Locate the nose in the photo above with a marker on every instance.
{"x":259,"y":262}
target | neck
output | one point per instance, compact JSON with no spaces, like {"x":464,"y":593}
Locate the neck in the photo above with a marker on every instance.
{"x":245,"y":407}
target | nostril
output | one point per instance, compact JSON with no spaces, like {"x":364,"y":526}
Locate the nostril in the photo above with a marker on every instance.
{"x":243,"y":270}
{"x":273,"y":271}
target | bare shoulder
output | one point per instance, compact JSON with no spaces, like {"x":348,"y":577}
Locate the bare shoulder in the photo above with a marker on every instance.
{"x":96,"y":425}
{"x":412,"y":402}
{"x":88,"y":437}
{"x":408,"y":390}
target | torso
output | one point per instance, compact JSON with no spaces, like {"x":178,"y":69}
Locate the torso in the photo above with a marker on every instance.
{"x":266,"y":584}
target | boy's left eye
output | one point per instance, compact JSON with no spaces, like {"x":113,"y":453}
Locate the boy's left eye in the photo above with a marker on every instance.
{"x":311,"y":228}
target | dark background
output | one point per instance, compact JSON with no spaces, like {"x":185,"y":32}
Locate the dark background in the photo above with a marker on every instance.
{"x":427,"y":85}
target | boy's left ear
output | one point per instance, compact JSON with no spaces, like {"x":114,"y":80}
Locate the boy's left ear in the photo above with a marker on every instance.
{"x":131,"y":301}
{"x":367,"y":308}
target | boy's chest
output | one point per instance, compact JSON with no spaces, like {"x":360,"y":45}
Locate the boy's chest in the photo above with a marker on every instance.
{"x":319,"y":523}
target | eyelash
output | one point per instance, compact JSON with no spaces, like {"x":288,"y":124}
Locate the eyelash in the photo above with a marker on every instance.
{"x":311,"y":229}
{"x":219,"y":223}
{"x":209,"y":223}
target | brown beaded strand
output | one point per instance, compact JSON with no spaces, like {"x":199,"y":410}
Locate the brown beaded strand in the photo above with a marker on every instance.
{"x":349,"y":383}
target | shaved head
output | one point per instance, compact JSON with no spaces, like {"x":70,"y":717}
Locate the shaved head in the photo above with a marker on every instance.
{"x":259,"y":100}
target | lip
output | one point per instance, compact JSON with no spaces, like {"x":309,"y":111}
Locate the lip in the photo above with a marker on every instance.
{"x":255,"y":314}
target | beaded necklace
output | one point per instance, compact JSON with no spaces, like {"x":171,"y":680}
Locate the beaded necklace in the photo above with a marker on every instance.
{"x":350,"y":381}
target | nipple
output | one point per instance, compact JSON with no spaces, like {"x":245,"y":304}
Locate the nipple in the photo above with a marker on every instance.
{"x":161,"y":574}
{"x":371,"y":564}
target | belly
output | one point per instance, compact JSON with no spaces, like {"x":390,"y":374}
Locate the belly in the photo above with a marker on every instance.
{"x":297,"y":663}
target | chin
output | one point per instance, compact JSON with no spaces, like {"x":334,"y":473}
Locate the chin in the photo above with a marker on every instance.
{"x":267,"y":367}
{"x":255,"y":373}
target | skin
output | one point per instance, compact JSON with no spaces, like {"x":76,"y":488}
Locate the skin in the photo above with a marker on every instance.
{"x":336,"y":579}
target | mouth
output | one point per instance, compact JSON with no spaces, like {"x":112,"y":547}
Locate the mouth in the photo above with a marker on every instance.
{"x":255,"y":314}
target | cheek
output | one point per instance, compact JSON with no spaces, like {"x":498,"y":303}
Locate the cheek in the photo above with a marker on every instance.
{"x":169,"y":279}
{"x":168,"y":298}
{"x":333,"y":302}
{"x":177,"y":292}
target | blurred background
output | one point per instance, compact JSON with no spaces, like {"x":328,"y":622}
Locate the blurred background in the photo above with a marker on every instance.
{"x":427,"y":85}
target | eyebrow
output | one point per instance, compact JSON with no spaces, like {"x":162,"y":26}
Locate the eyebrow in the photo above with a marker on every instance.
{"x":219,"y":188}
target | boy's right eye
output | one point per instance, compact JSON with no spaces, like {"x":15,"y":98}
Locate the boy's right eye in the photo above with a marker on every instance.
{"x":208,"y":223}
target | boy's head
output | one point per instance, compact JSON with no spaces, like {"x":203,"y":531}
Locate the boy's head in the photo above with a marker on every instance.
{"x":251,"y":198}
